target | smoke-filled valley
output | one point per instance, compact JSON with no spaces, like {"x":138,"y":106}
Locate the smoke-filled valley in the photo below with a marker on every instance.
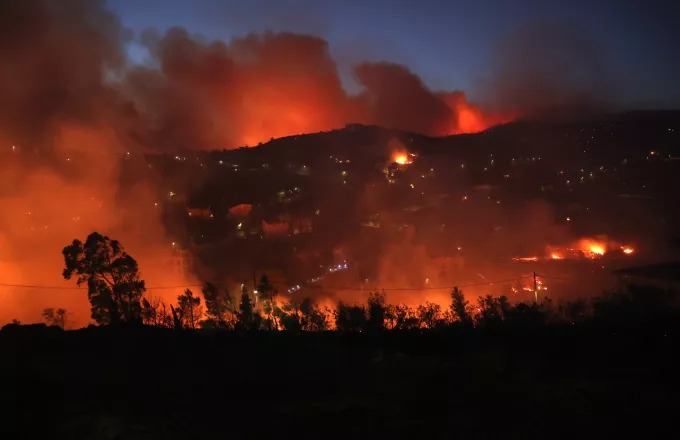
{"x":384,"y":184}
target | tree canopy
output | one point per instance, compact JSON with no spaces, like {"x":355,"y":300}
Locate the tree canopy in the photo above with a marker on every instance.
{"x":114,"y":287}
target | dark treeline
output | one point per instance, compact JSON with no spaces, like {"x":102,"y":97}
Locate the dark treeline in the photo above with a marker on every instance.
{"x":519,"y":372}
{"x":117,"y":297}
{"x":584,"y":369}
{"x":115,"y":291}
{"x":635,"y":305}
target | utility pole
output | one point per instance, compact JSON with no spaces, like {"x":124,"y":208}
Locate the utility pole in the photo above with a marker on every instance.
{"x":535,"y":289}
{"x":255,"y":292}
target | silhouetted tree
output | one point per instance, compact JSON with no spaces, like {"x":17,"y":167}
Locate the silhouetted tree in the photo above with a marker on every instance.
{"x":248,"y":319}
{"x":112,"y":276}
{"x":152,"y":313}
{"x":219,"y":307}
{"x":290,"y":317}
{"x":165,"y":316}
{"x":54,"y":316}
{"x":191,"y":308}
{"x":377,"y":312}
{"x":350,"y":318}
{"x":492,"y":310}
{"x":460,"y":308}
{"x":637,"y":304}
{"x":430,"y":315}
{"x":574,"y":312}
{"x":312,"y":318}
{"x":402,"y":317}
{"x":527,"y":315}
{"x":177,"y":318}
{"x":268,"y":294}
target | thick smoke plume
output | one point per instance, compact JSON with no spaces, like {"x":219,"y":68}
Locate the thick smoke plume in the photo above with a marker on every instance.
{"x":212,"y":95}
{"x":68,"y":63}
{"x":73,"y":106}
{"x":548,"y":70}
{"x":64,"y":130}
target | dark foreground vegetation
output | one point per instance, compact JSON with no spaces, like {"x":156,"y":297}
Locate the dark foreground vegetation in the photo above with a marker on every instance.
{"x":613,"y":372}
{"x":213,"y":367}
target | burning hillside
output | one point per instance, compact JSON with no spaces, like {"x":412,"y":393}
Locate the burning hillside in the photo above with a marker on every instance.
{"x":77,"y":113}
{"x":198,"y":93}
{"x":584,"y":248}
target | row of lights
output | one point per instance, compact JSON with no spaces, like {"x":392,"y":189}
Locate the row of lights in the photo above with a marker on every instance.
{"x":330,"y":270}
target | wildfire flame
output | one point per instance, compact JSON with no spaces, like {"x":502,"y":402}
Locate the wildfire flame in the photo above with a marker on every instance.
{"x":589,"y":248}
{"x":402,"y":158}
{"x":529,"y":287}
{"x":525,"y":259}
{"x":584,"y":248}
{"x":597,"y":250}
{"x":592,"y":248}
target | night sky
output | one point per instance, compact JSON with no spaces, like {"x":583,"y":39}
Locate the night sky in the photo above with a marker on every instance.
{"x":450,"y":44}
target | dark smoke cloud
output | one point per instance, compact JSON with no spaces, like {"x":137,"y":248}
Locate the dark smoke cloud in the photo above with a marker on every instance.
{"x":63,"y":63}
{"x":208,"y":94}
{"x":56,"y":56}
{"x":393,"y":92}
{"x":67,"y":62}
{"x":273,"y":85}
{"x":181,"y":95}
{"x":549,"y":70}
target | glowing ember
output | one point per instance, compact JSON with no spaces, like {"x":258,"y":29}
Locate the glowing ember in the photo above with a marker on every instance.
{"x":556,"y":256}
{"x":525,"y":259}
{"x":627,"y":250}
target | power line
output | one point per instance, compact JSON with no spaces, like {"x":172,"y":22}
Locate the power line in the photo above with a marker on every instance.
{"x":553,"y":278}
{"x":488,"y":283}
{"x":30,"y":286}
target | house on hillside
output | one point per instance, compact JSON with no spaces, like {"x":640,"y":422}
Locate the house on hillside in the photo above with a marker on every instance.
{"x":199,"y":212}
{"x":179,"y":264}
{"x":240,"y":211}
{"x":301,"y":225}
{"x":275,"y":229}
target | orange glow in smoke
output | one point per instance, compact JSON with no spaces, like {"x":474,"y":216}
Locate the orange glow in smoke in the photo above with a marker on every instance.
{"x":556,"y":256}
{"x":470,"y":121}
{"x":401,"y":158}
{"x":272,"y":115}
{"x":592,"y":248}
{"x":276,"y":112}
{"x":47,"y":211}
{"x":468,"y":117}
